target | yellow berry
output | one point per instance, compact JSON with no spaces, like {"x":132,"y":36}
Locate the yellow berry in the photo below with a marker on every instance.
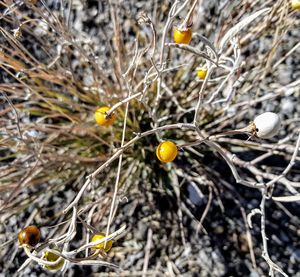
{"x":51,"y":257}
{"x":101,"y":117}
{"x":201,"y":73}
{"x":295,"y":4}
{"x":108,"y":245}
{"x":182,"y":36}
{"x":30,"y":236}
{"x":166,"y":151}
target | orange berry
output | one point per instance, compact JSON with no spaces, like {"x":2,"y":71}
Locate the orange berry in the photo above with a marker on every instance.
{"x":99,"y":236}
{"x":30,"y":235}
{"x":182,"y":36}
{"x":201,"y":73}
{"x":51,"y":257}
{"x":166,"y":151}
{"x":102,"y":119}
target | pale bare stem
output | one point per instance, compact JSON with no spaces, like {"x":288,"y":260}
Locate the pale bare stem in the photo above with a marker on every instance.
{"x":259,"y":174}
{"x":144,"y":19}
{"x":10,"y":9}
{"x":147,"y":252}
{"x":66,"y":238}
{"x":229,"y":158}
{"x":58,"y":56}
{"x":176,"y":188}
{"x":262,"y":174}
{"x":89,"y":220}
{"x":147,"y":20}
{"x":188,"y":21}
{"x":201,"y":92}
{"x":208,"y":44}
{"x":129,"y":98}
{"x":84,"y":261}
{"x":292,"y":198}
{"x":172,"y":14}
{"x":40,"y":260}
{"x":119,"y":165}
{"x":117,"y":35}
{"x":251,"y":214}
{"x":113,"y":207}
{"x":231,"y":33}
{"x":249,"y":238}
{"x":193,"y":50}
{"x":209,"y":201}
{"x":213,"y":96}
{"x":111,"y":236}
{"x":133,"y":61}
{"x":249,"y":130}
{"x":275,"y":148}
{"x":24,"y":265}
{"x":71,"y":231}
{"x":147,"y":83}
{"x":148,"y":75}
{"x":236,"y":198}
{"x":156,"y":103}
{"x":78,"y":196}
{"x":229,"y":76}
{"x":265,"y":254}
{"x":289,"y":166}
{"x":261,"y":158}
{"x":89,"y":227}
{"x":174,"y":99}
{"x":286,"y":55}
{"x":132,"y":64}
{"x":135,"y":139}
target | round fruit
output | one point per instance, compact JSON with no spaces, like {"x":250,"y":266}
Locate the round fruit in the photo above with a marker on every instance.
{"x":182,"y":36}
{"x":166,"y":151}
{"x":102,"y":119}
{"x":108,"y":245}
{"x":30,"y":235}
{"x":201,"y":73}
{"x":51,"y":257}
{"x":295,"y":4}
{"x":267,"y":125}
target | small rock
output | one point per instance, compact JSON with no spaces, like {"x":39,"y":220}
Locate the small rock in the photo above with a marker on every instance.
{"x":295,"y":257}
{"x":284,"y":75}
{"x":287,"y":106}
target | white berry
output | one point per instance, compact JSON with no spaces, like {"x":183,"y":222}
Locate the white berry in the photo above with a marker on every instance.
{"x":267,"y":125}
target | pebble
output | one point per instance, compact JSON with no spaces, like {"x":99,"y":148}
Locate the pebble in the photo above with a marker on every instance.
{"x":287,"y":106}
{"x":295,"y":257}
{"x":284,"y":75}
